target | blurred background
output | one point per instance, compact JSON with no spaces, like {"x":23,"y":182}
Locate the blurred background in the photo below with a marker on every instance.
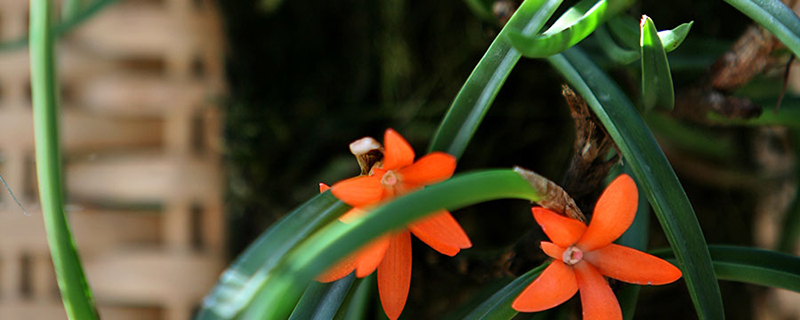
{"x":190,"y":126}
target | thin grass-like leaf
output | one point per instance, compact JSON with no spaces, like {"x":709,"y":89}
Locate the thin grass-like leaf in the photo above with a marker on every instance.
{"x":76,"y":18}
{"x":617,"y":52}
{"x":498,"y":306}
{"x":482,"y":86}
{"x":776,"y":17}
{"x":656,"y":77}
{"x":752,"y":265}
{"x":625,"y":29}
{"x":321,"y":301}
{"x":357,"y":302}
{"x":653,"y":172}
{"x":337,"y":240}
{"x":574,"y":25}
{"x":75,"y":292}
{"x":240,"y":282}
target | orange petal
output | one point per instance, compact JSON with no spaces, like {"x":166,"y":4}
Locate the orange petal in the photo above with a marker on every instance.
{"x":430,"y":169}
{"x":562,"y":230}
{"x":370,"y":256}
{"x":613,"y":214}
{"x":358,"y":191}
{"x":442,"y":232}
{"x":553,"y":250}
{"x":394,"y":275}
{"x":597,"y":299}
{"x":555,"y":285}
{"x":631,"y":265}
{"x":339,"y":270}
{"x":397,"y":152}
{"x":323,"y":187}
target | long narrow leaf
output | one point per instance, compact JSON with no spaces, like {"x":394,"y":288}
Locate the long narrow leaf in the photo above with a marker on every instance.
{"x":75,"y":292}
{"x":653,"y":171}
{"x":573,"y":26}
{"x":670,"y":39}
{"x":482,"y":86}
{"x":65,"y":27}
{"x":753,"y":265}
{"x":656,"y":77}
{"x":321,"y":301}
{"x":498,"y":306}
{"x":239,"y":283}
{"x":335,"y":241}
{"x":357,"y":302}
{"x":776,"y":17}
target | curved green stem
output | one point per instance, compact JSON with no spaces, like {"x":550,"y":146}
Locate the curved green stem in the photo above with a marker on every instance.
{"x":75,"y":293}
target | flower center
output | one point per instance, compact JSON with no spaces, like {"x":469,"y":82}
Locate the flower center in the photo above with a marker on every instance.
{"x":389,"y":178}
{"x":572,"y":255}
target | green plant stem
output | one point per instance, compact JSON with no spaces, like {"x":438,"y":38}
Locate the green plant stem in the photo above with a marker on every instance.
{"x":333,"y":242}
{"x":74,"y":20}
{"x":75,"y":293}
{"x":482,"y":86}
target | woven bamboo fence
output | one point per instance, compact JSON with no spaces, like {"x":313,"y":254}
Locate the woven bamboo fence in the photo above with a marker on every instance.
{"x":142,"y":170}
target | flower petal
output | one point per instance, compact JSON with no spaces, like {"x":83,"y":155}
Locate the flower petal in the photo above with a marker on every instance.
{"x":442,"y":232}
{"x":562,"y":230}
{"x":371,"y":256}
{"x":613,"y":214}
{"x":631,"y":265}
{"x":597,"y":299}
{"x":553,"y":250}
{"x":323,"y":187}
{"x":394,"y":275}
{"x":397,"y":152}
{"x":432,"y":168}
{"x":339,"y":270}
{"x":555,"y":285}
{"x":358,"y":191}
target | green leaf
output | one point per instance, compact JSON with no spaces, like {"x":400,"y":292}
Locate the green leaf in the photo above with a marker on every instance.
{"x":482,"y":86}
{"x":498,"y":306}
{"x":776,"y":17}
{"x":573,"y":26}
{"x":670,"y":39}
{"x":321,"y":301}
{"x":625,"y":29}
{"x":656,"y":77}
{"x":75,"y":292}
{"x":653,"y":171}
{"x":614,"y":51}
{"x":240,"y":282}
{"x":357,"y":302}
{"x":71,"y":21}
{"x":752,"y":265}
{"x":336,"y":240}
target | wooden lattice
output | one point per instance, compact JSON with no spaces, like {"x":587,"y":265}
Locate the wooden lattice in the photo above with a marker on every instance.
{"x":142,"y":172}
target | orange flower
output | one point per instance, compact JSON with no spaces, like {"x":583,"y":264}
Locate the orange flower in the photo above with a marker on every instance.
{"x":391,"y":253}
{"x":585,"y":254}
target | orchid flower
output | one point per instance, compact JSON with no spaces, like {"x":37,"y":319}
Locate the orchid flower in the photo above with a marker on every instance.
{"x":583,"y":255}
{"x":390,"y":254}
